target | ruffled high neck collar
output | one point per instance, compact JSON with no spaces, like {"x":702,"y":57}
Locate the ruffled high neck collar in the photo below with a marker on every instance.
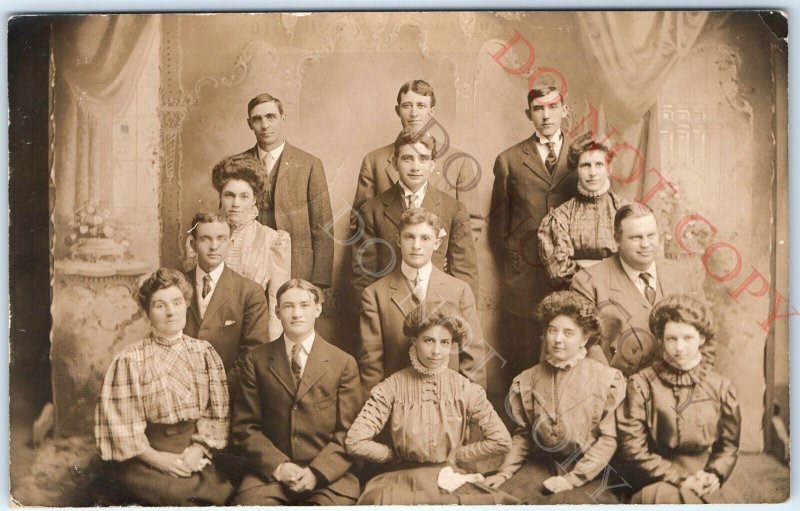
{"x":566,"y":364}
{"x":590,"y":196}
{"x":166,"y":340}
{"x":679,"y":377}
{"x":241,"y":219}
{"x":420,"y":367}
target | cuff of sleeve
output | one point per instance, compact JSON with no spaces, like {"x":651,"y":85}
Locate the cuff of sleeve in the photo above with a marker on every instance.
{"x":673,"y":477}
{"x":575,"y":480}
{"x":717,"y":473}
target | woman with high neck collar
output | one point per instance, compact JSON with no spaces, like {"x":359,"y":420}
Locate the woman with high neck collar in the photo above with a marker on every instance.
{"x":580,"y":232}
{"x":428,"y":408}
{"x":163,"y":407}
{"x":565,"y":411}
{"x":679,"y":427}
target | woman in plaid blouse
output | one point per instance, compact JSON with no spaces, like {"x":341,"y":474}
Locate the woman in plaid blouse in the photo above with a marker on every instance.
{"x":163,"y":407}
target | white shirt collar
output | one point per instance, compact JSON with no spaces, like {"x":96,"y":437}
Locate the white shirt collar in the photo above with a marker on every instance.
{"x":420,"y":193}
{"x":276,"y":153}
{"x":215,"y":274}
{"x":556,"y":138}
{"x":306,"y":343}
{"x":410,"y":272}
{"x":633,"y":273}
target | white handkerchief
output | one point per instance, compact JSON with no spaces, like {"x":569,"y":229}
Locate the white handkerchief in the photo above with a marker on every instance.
{"x":229,"y":322}
{"x":442,"y":233}
{"x":449,"y":480}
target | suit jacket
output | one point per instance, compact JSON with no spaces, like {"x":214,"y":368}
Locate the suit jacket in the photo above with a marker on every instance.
{"x":236,"y":320}
{"x":522,"y":194}
{"x":275,"y":420}
{"x":454,"y":174}
{"x":384,"y":347}
{"x":303,"y":209}
{"x":381,"y":219}
{"x":625,"y":312}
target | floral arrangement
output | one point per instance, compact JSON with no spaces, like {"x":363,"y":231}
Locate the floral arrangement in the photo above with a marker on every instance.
{"x":95,"y":234}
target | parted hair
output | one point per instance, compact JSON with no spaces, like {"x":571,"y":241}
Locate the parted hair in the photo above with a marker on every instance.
{"x":583,"y":144}
{"x":631,"y":210}
{"x":208,"y":217}
{"x":420,"y":87}
{"x":163,"y":278}
{"x":299,"y":284}
{"x":682,"y":309}
{"x":414,"y":216}
{"x":573,"y":305}
{"x":408,"y":137}
{"x":443,"y":314}
{"x":237,"y":167}
{"x":263,"y":98}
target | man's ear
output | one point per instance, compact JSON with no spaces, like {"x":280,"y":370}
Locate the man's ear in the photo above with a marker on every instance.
{"x":433,"y":111}
{"x":527,"y":114}
{"x":397,"y":238}
{"x":397,"y":110}
{"x":191,"y":242}
{"x":437,"y":244}
{"x":249,"y":124}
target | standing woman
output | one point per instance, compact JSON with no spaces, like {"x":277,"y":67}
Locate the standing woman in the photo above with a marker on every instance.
{"x":257,"y":252}
{"x":564,"y":409}
{"x":163,"y":407}
{"x":679,"y":426}
{"x":580,"y":232}
{"x":429,"y":409}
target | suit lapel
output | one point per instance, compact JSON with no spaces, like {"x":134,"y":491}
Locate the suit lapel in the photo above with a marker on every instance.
{"x":279,"y":366}
{"x":666,"y":284}
{"x":221,"y":294}
{"x":195,"y":305}
{"x":623,"y":290}
{"x":437,"y":288}
{"x":401,"y":293}
{"x":533,"y":160}
{"x":389,"y":167}
{"x":562,"y":170}
{"x":542,"y":388}
{"x":284,"y":188}
{"x":394,"y":206}
{"x":316,"y":366}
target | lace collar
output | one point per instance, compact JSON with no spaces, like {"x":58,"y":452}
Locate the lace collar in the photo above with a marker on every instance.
{"x":590,"y":196}
{"x":166,"y":340}
{"x":566,"y":364}
{"x":241,"y":219}
{"x":420,"y":367}
{"x":678,"y":377}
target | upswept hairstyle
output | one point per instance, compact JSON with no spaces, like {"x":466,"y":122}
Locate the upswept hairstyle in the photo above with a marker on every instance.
{"x":583,"y":144}
{"x":631,"y":210}
{"x":263,"y":98}
{"x":408,"y":137}
{"x":299,"y":284}
{"x":414,"y":216}
{"x":163,"y":278}
{"x":443,"y":314}
{"x":420,"y":87}
{"x":573,"y":305}
{"x":233,"y":167}
{"x":208,"y":217}
{"x":682,"y":309}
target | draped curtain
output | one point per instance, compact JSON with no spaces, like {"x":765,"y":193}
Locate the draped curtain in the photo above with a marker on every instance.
{"x":97,"y":64}
{"x":630,"y":56}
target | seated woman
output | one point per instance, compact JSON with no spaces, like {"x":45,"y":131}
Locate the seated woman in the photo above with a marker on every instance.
{"x":679,"y":426}
{"x":163,"y":407}
{"x":257,"y":252}
{"x":580,"y":232}
{"x":564,"y":409}
{"x":429,"y":409}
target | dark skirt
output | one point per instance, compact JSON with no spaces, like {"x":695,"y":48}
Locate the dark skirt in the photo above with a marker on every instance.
{"x":146,"y":485}
{"x":418,"y":485}
{"x":666,"y":493}
{"x":526,"y":485}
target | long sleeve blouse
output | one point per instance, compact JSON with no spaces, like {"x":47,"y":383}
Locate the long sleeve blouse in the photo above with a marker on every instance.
{"x":161,"y":381}
{"x":565,"y":415}
{"x":581,"y":228}
{"x":429,"y":414}
{"x":669,"y":412}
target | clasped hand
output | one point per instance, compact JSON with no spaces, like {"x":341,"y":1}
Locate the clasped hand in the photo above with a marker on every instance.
{"x":192,"y":459}
{"x":295,"y":477}
{"x":702,"y":483}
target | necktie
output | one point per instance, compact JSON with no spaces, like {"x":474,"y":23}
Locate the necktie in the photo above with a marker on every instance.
{"x":206,"y":285}
{"x":649,"y":291}
{"x":268,"y":162}
{"x":552,"y":159}
{"x":416,"y":290}
{"x":412,"y":201}
{"x":296,"y":367}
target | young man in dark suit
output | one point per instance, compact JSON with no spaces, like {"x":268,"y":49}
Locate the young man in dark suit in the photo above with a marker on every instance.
{"x":376,"y":254}
{"x":457,"y":175}
{"x":296,"y":198}
{"x":299,"y":396}
{"x":228,"y":310}
{"x":385,"y":304}
{"x":627,"y":285}
{"x":530,"y":178}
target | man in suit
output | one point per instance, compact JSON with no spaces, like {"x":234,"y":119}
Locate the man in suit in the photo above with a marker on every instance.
{"x":376,"y":254}
{"x":296,"y":198}
{"x":299,"y":397}
{"x":456,"y":175}
{"x":385,"y":304}
{"x":228,"y":310}
{"x":530,"y":178}
{"x":626,"y":285}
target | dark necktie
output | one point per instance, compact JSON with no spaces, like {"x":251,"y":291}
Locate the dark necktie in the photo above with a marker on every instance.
{"x":552,"y":159}
{"x":206,"y":285}
{"x":649,"y":291}
{"x":296,"y":367}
